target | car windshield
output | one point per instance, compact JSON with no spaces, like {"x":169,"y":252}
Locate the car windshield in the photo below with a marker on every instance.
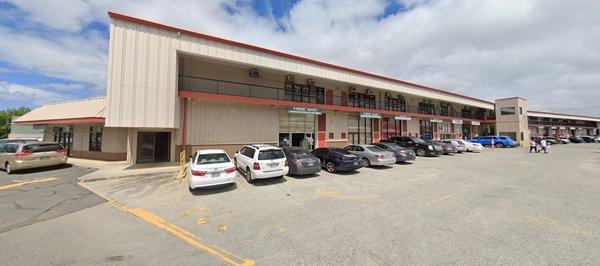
{"x":300,"y":153}
{"x":270,"y":154}
{"x":212,"y":158}
{"x":374,"y":149}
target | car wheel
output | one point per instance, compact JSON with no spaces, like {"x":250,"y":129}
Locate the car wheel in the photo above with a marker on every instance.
{"x":366,"y":162}
{"x":248,"y":175}
{"x":500,"y":145}
{"x":330,"y":167}
{"x":421,"y":152}
{"x":7,"y":168}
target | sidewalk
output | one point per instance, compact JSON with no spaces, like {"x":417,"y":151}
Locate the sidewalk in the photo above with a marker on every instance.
{"x":113,"y":170}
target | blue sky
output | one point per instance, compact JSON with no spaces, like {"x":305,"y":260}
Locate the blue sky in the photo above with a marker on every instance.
{"x":52,"y":50}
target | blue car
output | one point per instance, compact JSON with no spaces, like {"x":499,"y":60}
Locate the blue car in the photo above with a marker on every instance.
{"x":499,"y":141}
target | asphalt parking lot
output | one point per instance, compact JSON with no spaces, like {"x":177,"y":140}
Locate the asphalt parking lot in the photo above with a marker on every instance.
{"x":504,"y":206}
{"x":35,"y":195}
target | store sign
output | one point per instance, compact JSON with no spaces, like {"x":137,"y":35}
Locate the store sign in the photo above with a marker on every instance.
{"x":457,"y":121}
{"x":370,"y":115}
{"x":562,"y":127}
{"x":402,"y":117}
{"x":304,"y":110}
{"x":572,"y":128}
{"x":475,"y":123}
{"x":553,"y":127}
{"x":540,"y":126}
{"x":435,"y":120}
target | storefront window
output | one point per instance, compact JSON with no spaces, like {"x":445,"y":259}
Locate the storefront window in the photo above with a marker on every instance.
{"x":426,"y":129}
{"x":390,"y":127}
{"x":96,"y":138}
{"x":360,"y":130}
{"x":296,"y":130}
{"x":447,"y":130}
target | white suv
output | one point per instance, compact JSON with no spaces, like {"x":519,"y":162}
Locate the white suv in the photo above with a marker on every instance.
{"x":261,"y":161}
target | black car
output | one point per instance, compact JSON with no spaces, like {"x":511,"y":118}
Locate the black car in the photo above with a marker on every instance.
{"x":588,"y":139}
{"x":575,"y":139}
{"x":419,"y":146}
{"x":336,"y":159}
{"x":402,"y":154}
{"x":301,"y":161}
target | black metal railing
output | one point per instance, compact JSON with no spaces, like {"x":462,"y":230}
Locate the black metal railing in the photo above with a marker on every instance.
{"x":207,"y":85}
{"x":559,"y":123}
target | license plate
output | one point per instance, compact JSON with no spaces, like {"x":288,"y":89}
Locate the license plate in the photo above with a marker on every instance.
{"x":310,"y":164}
{"x":216,"y":174}
{"x":272,"y":165}
{"x":356,"y":163}
{"x":44,"y":157}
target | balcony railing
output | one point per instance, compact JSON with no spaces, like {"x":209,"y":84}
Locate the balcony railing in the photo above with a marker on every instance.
{"x":560,"y":123}
{"x":206,"y":85}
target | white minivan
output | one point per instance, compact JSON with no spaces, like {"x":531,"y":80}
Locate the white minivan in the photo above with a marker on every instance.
{"x":261,"y":161}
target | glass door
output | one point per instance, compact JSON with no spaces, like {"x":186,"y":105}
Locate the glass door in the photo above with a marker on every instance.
{"x":153,"y":147}
{"x":296,"y":130}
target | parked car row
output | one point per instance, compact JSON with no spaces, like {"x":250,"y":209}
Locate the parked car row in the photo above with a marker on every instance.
{"x":566,"y":140}
{"x":260,"y":161}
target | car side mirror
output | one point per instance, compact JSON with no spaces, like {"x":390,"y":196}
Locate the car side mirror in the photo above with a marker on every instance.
{"x":189,"y":157}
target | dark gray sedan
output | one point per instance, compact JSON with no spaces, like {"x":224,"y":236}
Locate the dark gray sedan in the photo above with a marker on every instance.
{"x":301,"y":161}
{"x":402,"y":154}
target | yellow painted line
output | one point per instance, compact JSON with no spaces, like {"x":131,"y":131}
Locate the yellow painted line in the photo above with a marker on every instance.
{"x":439,"y":199}
{"x":179,"y":233}
{"x":11,"y":186}
{"x":241,"y":186}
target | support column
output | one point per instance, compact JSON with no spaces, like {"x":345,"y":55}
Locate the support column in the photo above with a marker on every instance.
{"x":321,"y":130}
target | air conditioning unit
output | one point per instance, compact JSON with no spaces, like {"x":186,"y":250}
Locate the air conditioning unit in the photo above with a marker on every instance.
{"x":255,"y":73}
{"x":351,"y":89}
{"x":368,"y":91}
{"x":388,"y":94}
{"x":311,"y":82}
{"x":290,"y":78}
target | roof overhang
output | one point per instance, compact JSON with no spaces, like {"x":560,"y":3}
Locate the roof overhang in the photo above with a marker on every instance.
{"x":67,"y":121}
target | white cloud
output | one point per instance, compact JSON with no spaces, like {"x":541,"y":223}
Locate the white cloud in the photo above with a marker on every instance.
{"x":15,"y":95}
{"x":545,"y":51}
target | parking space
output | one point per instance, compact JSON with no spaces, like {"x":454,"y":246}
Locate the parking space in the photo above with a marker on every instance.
{"x":34,"y":195}
{"x":501,"y":206}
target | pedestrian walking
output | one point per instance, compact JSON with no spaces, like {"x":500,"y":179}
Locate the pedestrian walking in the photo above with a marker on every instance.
{"x":533,"y":146}
{"x":544,"y":145}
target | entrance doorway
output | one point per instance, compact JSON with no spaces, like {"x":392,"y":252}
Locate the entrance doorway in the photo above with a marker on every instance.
{"x":297,"y":130}
{"x":153,"y":147}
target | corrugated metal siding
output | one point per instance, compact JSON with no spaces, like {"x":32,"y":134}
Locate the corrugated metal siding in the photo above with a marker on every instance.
{"x":142,"y":85}
{"x":213,"y":122}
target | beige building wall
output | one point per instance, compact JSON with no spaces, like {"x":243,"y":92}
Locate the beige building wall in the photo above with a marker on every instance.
{"x":114,"y":142}
{"x":516,"y":123}
{"x":215,"y":122}
{"x":413,"y":126}
{"x":337,"y":123}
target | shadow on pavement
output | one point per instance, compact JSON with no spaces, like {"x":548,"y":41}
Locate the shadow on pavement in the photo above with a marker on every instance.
{"x":40,"y":169}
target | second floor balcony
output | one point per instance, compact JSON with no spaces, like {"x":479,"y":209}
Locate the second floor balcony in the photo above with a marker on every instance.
{"x":317,"y":95}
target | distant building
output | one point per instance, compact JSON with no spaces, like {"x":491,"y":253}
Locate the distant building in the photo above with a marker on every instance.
{"x":25,"y":131}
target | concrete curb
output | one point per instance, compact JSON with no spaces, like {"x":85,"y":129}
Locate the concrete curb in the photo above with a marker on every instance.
{"x":85,"y":179}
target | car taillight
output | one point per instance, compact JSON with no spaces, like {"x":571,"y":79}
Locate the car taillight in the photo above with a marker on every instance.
{"x":23,"y":154}
{"x":198,"y":173}
{"x":230,"y":170}
{"x":298,"y":163}
{"x":62,"y":150}
{"x":256,"y":166}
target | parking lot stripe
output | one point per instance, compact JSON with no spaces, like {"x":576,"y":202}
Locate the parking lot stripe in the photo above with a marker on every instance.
{"x":439,"y":199}
{"x":178,"y":233}
{"x":12,"y":186}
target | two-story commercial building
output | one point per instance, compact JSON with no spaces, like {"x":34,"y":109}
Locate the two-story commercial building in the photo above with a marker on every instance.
{"x":171,"y":89}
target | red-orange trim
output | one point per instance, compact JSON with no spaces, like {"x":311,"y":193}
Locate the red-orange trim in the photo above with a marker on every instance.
{"x":242,"y":99}
{"x":282,"y":54}
{"x":83,"y":120}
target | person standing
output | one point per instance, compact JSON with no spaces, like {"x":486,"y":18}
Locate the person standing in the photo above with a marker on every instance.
{"x":533,"y":146}
{"x":544,"y":145}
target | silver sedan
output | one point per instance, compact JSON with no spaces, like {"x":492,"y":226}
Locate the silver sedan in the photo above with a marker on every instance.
{"x":372,"y":155}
